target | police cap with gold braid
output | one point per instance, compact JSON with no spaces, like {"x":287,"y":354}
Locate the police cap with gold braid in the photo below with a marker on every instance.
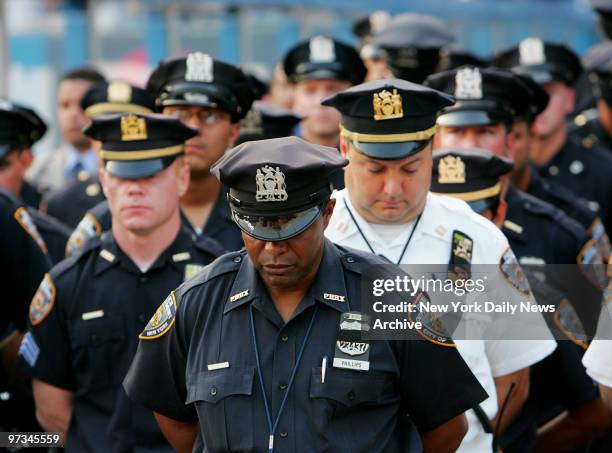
{"x":136,"y":145}
{"x":116,"y":96}
{"x":389,"y":119}
{"x":470,"y":174}
{"x":20,"y":126}
{"x":278,"y":187}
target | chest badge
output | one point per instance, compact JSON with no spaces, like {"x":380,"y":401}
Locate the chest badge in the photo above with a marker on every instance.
{"x":352,"y":352}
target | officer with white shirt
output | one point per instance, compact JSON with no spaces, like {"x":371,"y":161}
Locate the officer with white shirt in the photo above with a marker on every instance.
{"x":386,"y":133}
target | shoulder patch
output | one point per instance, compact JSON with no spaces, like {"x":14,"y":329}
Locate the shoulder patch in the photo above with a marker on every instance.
{"x":461,"y":254}
{"x":433,"y":328}
{"x":592,"y":265}
{"x":513,"y":272}
{"x":598,"y":232}
{"x":567,"y":320}
{"x":162,"y":320}
{"x":43,"y":301}
{"x":25,"y":220}
{"x":88,"y":228}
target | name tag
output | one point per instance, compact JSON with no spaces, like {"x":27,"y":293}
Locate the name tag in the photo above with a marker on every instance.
{"x":92,"y":315}
{"x":217,"y":366}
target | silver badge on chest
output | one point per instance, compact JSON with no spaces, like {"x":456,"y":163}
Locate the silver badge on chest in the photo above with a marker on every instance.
{"x":199,"y":68}
{"x":468,"y":84}
{"x":270,"y":183}
{"x":322,"y":50}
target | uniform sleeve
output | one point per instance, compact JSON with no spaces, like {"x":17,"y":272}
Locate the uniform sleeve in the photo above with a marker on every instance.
{"x":45,"y":352}
{"x":598,"y":362}
{"x":156,"y":378}
{"x":436,"y":384}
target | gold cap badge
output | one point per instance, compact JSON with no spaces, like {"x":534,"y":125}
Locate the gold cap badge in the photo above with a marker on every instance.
{"x":133,"y":128}
{"x":387,"y":105}
{"x":119,"y":91}
{"x":451,"y":170}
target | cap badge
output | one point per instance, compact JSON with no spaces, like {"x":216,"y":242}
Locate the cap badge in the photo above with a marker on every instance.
{"x":379,"y":20}
{"x":119,"y":91}
{"x":468,"y":84}
{"x":270,"y":184}
{"x":252,"y":123}
{"x":387,"y":105}
{"x":322,"y":50}
{"x":451,"y":170}
{"x":531,"y":52}
{"x":133,"y":128}
{"x":199,"y":68}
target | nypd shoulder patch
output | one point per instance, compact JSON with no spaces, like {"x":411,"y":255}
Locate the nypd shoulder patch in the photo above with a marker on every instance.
{"x":43,"y":301}
{"x":25,"y":220}
{"x":592,"y":265}
{"x":569,"y":323}
{"x":88,"y":228}
{"x":162,"y":320}
{"x":432,"y":327}
{"x":513,"y":272}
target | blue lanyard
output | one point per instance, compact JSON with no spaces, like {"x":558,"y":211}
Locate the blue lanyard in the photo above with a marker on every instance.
{"x":272,"y":427}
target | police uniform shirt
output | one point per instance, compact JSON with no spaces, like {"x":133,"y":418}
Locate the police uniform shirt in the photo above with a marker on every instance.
{"x":30,"y":195}
{"x":431,"y":244}
{"x":203,"y":366}
{"x":84,"y":323}
{"x":54,"y":233}
{"x":588,"y":128}
{"x":575,"y":207}
{"x":23,"y":261}
{"x":70,"y":203}
{"x":586,"y":172}
{"x":565,"y":242}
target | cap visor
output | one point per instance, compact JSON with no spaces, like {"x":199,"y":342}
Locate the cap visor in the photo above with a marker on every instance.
{"x":390,"y":151}
{"x":4,"y":149}
{"x":468,"y":118}
{"x":135,"y":169}
{"x":540,"y":75}
{"x":276,"y":228}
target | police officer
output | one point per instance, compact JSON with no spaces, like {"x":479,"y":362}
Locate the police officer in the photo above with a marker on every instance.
{"x":20,"y":128}
{"x":88,"y":310}
{"x":266,"y":120}
{"x":72,"y":201}
{"x":412,"y":44}
{"x":595,"y":127}
{"x":212,"y":97}
{"x":320,"y":67}
{"x":559,"y":156}
{"x":256,"y":365}
{"x":386,"y":209}
{"x":527,"y":180}
{"x":483,"y":117}
{"x":373,"y":57}
{"x":559,"y":382}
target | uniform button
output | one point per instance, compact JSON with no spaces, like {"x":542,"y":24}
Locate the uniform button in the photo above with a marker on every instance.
{"x":213,"y":391}
{"x":283,"y":434}
{"x":237,"y":259}
{"x":282,"y":386}
{"x":351,"y":395}
{"x":285,"y":337}
{"x":143,"y":279}
{"x":350,"y":259}
{"x":553,"y":170}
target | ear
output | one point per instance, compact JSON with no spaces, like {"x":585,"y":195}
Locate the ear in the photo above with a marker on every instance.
{"x":102,"y":177}
{"x":344,"y":147}
{"x":26,"y":158}
{"x":570,"y":99}
{"x":234,"y":133}
{"x":184,"y":177}
{"x":511,"y":143}
{"x":329,"y":210}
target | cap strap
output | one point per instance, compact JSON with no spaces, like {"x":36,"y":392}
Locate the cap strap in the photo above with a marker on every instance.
{"x":114,"y":107}
{"x":389,"y":138}
{"x":141,"y":154}
{"x":476,"y":195}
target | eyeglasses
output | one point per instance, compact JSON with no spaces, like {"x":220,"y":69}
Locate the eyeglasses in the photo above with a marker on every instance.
{"x":207,"y":117}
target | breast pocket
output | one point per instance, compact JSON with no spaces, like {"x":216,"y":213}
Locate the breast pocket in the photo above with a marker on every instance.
{"x":223,"y":401}
{"x":348,"y":399}
{"x":98,"y":346}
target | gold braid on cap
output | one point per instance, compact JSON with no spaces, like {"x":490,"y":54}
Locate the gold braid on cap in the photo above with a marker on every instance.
{"x":141,"y":154}
{"x":476,"y":195}
{"x":389,"y":138}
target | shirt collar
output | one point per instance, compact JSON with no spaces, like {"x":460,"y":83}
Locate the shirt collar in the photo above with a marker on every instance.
{"x":88,"y":160}
{"x":328,"y":287}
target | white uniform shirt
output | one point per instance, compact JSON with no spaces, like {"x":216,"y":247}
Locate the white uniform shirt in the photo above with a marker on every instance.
{"x":431,"y":244}
{"x":598,"y":358}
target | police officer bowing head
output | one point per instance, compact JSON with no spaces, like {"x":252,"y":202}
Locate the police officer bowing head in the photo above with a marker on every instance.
{"x":386,"y":133}
{"x":282,"y":206}
{"x":143,"y":174}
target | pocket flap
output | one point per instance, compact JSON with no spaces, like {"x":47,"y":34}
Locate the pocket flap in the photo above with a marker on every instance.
{"x":351,"y":387}
{"x":213,"y":386}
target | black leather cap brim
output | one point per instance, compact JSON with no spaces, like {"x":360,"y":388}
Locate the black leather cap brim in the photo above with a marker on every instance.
{"x":390,"y":151}
{"x":276,"y":228}
{"x":135,"y":169}
{"x":464,"y":118}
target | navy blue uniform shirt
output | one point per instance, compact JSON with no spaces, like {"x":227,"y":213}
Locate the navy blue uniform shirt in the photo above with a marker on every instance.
{"x":202,"y":366}
{"x":83,"y":332}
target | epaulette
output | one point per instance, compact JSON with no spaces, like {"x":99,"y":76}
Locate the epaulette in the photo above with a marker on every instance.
{"x":355,"y":260}
{"x":209,"y":246}
{"x":229,"y":262}
{"x":72,"y":260}
{"x":542,"y":208}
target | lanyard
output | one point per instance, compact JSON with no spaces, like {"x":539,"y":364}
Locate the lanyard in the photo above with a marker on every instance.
{"x":272,"y":427}
{"x":368,"y":243}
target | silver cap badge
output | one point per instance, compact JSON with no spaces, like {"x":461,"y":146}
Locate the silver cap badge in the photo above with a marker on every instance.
{"x":322,"y":50}
{"x":270,"y":183}
{"x":468,"y":84}
{"x":199,"y":68}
